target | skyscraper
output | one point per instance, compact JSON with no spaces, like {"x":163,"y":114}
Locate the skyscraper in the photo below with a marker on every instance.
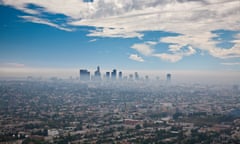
{"x":120,"y":75}
{"x":131,"y":77}
{"x":97,"y":74}
{"x":136,"y":76}
{"x":114,"y":74}
{"x":84,"y":75}
{"x":146,"y":77}
{"x":168,"y":77}
{"x":88,"y":1}
{"x":108,"y":75}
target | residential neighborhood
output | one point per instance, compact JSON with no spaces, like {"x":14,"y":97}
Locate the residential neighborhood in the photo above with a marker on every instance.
{"x":64,"y":111}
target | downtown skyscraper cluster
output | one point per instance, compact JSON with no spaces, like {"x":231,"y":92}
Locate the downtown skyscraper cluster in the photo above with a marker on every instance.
{"x":85,"y":75}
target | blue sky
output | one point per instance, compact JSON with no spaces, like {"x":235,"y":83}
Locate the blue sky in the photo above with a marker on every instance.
{"x":142,"y":35}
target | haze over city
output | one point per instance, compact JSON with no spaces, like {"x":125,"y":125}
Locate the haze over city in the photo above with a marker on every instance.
{"x":57,"y":38}
{"x":120,"y":71}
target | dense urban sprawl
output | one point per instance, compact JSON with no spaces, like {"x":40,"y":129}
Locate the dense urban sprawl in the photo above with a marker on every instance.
{"x":71,"y":111}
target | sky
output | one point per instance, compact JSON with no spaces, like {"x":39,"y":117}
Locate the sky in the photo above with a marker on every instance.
{"x":152,"y":35}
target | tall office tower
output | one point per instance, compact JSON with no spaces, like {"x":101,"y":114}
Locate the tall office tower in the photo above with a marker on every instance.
{"x":120,"y":75}
{"x":114,"y":74}
{"x":84,"y":75}
{"x":136,"y":76}
{"x":131,"y":77}
{"x":168,"y":77}
{"x":107,"y":75}
{"x":97,"y":74}
{"x":88,"y":1}
{"x":146,"y":77}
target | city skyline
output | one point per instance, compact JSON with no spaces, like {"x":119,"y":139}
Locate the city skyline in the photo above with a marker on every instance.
{"x":193,"y":36}
{"x":119,"y":71}
{"x":86,"y":75}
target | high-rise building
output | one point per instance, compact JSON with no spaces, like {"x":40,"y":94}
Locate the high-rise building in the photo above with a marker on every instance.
{"x":114,"y":74}
{"x":131,"y":77}
{"x":146,"y":77}
{"x":169,"y":77}
{"x":88,"y":1}
{"x":136,"y":76}
{"x":108,"y":75}
{"x":84,"y":75}
{"x":120,"y":75}
{"x":97,"y":74}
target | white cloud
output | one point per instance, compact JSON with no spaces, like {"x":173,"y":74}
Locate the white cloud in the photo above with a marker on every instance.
{"x":190,"y":51}
{"x":175,"y":56}
{"x":237,"y":36}
{"x":144,"y":49}
{"x":194,"y":20}
{"x":42,"y":21}
{"x":134,"y":16}
{"x":169,"y":57}
{"x":92,"y":40}
{"x":203,"y":42}
{"x":135,"y":57}
{"x":116,"y":32}
{"x":151,"y":43}
{"x":175,"y":47}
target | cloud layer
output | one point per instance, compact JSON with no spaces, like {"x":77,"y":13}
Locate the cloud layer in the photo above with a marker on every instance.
{"x":135,"y":57}
{"x":194,"y":20}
